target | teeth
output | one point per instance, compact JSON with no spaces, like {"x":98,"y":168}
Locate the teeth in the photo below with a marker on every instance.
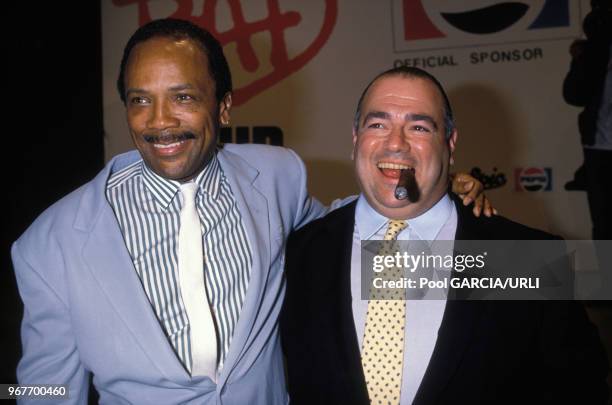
{"x":386,"y":165}
{"x":170,"y":145}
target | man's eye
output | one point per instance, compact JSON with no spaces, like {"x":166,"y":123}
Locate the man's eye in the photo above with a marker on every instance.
{"x":138,"y":100}
{"x":376,"y":125}
{"x":420,"y":128}
{"x":184,"y":97}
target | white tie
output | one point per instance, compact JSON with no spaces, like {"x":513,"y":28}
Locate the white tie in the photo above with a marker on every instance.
{"x":203,"y":336}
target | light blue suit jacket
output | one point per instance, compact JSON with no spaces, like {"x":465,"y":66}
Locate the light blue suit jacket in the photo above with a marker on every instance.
{"x":86,"y":311}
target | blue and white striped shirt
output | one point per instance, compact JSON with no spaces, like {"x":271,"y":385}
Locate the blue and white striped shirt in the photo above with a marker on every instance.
{"x":147,"y":207}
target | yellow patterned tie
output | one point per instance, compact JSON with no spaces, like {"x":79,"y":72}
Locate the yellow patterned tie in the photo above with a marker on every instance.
{"x":383,"y":341}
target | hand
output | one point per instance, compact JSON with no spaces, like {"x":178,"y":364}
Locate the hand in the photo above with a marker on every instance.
{"x":470,"y":189}
{"x":577,"y":47}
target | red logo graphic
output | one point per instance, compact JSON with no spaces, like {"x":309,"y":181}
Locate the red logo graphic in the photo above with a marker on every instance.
{"x":417,"y":24}
{"x":276,"y":23}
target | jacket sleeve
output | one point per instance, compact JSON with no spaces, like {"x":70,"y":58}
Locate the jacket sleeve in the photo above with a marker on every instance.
{"x":577,"y":88}
{"x":50,"y":354}
{"x":309,"y":207}
{"x":584,"y":82}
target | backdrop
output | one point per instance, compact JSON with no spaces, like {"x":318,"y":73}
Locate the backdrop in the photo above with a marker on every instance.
{"x":300,"y":66}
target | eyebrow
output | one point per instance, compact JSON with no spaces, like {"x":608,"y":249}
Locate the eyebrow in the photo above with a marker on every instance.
{"x":408,"y":117}
{"x":376,"y":114}
{"x":132,"y":90}
{"x":421,"y":117}
{"x":178,"y":87}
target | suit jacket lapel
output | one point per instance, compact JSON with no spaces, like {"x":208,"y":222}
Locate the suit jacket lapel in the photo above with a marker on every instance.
{"x":108,"y":260}
{"x":457,"y":327}
{"x":342,"y":239}
{"x":337,"y":242}
{"x":243,"y":181}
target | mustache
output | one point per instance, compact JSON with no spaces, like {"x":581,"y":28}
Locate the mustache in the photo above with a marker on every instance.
{"x":169,"y":138}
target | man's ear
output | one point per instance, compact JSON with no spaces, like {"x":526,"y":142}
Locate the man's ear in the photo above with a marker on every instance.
{"x":354,"y":142}
{"x":225,"y":105}
{"x":452,"y":141}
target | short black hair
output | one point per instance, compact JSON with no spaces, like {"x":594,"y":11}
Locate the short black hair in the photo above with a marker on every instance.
{"x":413,"y":72}
{"x":181,"y":29}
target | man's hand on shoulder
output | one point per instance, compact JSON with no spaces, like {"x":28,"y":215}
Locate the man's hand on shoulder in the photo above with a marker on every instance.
{"x":469,"y":189}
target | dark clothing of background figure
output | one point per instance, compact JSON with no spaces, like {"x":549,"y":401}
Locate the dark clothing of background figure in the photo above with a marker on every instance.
{"x":513,"y":352}
{"x":583,"y":86}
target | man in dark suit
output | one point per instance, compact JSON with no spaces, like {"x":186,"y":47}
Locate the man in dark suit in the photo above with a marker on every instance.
{"x":344,"y":349}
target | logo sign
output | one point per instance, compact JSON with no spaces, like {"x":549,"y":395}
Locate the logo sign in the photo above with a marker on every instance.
{"x":439,"y":24}
{"x":533,"y":179}
{"x":489,"y":181}
{"x":233,"y":24}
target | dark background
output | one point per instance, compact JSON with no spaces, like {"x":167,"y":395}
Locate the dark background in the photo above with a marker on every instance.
{"x":53,"y":134}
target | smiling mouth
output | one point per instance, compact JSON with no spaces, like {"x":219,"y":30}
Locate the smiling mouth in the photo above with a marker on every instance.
{"x":168,"y":139}
{"x":167,"y":146}
{"x":392,"y":170}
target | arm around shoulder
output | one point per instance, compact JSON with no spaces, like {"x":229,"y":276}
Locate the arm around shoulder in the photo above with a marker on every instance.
{"x":309,"y":208}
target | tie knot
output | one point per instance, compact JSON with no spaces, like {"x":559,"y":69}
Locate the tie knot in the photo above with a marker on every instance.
{"x":189,"y":190}
{"x":394,"y":228}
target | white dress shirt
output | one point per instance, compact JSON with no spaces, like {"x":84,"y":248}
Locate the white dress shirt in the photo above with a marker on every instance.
{"x":147,"y":208}
{"x":423,"y":317}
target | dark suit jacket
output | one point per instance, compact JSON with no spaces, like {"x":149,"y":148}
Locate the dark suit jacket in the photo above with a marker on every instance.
{"x":487,"y":351}
{"x":584,"y":85}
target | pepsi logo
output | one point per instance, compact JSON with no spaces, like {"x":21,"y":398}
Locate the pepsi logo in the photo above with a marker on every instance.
{"x":420,"y":24}
{"x":533,"y":179}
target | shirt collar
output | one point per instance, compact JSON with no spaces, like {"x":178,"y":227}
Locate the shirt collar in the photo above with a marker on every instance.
{"x":164,"y":190}
{"x":210,"y":178}
{"x":367,"y":219}
{"x":426,"y":226}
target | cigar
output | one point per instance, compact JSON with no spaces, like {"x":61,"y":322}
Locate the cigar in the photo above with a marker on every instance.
{"x":406,"y":186}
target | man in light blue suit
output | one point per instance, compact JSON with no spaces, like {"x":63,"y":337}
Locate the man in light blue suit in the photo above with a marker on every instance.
{"x":98,"y":271}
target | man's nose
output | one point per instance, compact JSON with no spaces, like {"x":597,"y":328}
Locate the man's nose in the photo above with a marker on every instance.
{"x":162,"y":117}
{"x":397,"y":140}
